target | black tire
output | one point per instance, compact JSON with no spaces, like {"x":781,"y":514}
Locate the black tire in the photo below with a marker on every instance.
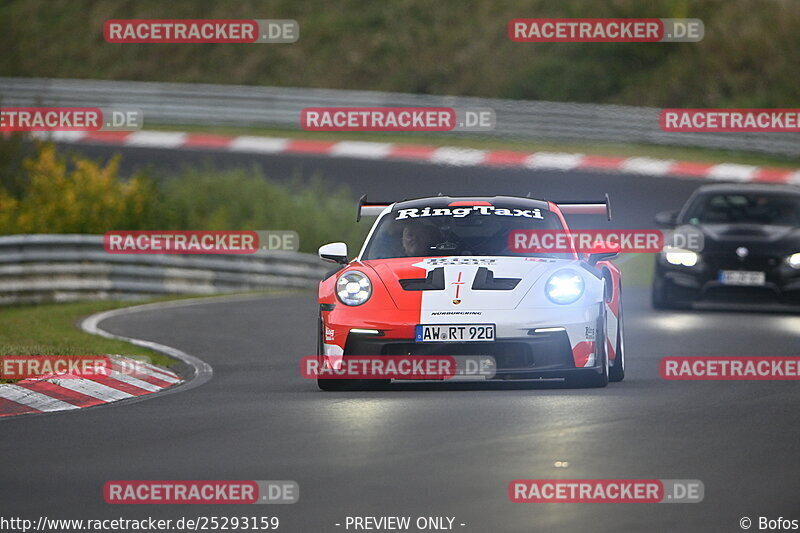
{"x":588,"y":379}
{"x":333,"y":385}
{"x":330,"y":385}
{"x":617,"y":371}
{"x":591,"y":378}
{"x":658,"y":295}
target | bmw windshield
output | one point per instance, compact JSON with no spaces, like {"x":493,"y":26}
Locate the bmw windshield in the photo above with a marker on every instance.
{"x":745,"y":208}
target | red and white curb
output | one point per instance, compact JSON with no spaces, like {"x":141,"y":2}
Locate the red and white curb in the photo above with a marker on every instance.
{"x":442,"y":155}
{"x":61,"y":392}
{"x":46,"y":395}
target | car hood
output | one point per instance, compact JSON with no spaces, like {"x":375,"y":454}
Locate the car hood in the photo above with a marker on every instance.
{"x":763,"y":239}
{"x":454,"y":287}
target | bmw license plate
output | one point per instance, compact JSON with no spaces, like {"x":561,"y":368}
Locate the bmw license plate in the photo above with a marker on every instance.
{"x":742,"y":278}
{"x":455,"y":333}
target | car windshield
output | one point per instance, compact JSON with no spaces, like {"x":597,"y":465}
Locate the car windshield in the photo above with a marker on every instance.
{"x":745,"y":208}
{"x":479,"y":230}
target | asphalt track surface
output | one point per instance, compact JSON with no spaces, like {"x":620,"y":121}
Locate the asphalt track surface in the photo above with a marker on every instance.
{"x":429,"y":450}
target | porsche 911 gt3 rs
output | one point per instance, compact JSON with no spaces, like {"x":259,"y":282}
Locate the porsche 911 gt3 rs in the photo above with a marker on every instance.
{"x":437,"y":276}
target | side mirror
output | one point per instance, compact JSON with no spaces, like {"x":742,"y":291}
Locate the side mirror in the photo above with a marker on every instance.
{"x":602,"y":251}
{"x":335,"y":252}
{"x":667,"y":219}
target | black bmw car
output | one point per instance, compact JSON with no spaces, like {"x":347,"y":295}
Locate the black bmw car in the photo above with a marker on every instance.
{"x":750,"y":251}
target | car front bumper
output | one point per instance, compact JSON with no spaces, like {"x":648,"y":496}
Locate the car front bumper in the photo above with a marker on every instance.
{"x":687,"y":285}
{"x":561,"y":342}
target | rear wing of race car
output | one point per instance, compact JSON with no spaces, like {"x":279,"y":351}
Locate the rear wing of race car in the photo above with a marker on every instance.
{"x":369,"y":209}
{"x":366,"y":208}
{"x":586,"y":208}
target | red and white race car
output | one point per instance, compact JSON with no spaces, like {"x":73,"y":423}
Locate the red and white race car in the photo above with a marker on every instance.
{"x":436,"y":276}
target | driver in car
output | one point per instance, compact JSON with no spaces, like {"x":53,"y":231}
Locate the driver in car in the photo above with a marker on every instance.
{"x":418,"y":239}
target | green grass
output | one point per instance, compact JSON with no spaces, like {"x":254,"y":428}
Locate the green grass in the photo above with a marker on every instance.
{"x":747,"y":58}
{"x":700,"y":155}
{"x":52,"y":329}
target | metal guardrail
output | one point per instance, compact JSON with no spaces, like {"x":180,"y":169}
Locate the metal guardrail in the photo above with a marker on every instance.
{"x":40,"y":268}
{"x":237,"y":105}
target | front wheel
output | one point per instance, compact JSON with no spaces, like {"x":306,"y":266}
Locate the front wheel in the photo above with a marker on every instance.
{"x":617,"y":370}
{"x":589,"y":379}
{"x":659,"y":296}
{"x":330,"y":385}
{"x":594,"y":377}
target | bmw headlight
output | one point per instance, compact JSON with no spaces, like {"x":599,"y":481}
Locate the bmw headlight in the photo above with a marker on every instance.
{"x":678,"y":256}
{"x":353,"y":288}
{"x":564,"y":287}
{"x":794,"y":260}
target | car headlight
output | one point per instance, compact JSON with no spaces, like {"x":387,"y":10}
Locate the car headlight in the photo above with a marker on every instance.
{"x":678,"y":256}
{"x":564,"y":287}
{"x":794,"y":260}
{"x":353,"y":288}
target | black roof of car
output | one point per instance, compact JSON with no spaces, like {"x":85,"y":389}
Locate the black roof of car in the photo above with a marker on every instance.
{"x":733,"y":188}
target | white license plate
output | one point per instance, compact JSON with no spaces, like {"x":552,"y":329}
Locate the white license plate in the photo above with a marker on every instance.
{"x":455,"y":333}
{"x":742,"y":277}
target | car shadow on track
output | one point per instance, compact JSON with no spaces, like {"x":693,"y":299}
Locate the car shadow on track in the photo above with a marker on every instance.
{"x":550,"y":384}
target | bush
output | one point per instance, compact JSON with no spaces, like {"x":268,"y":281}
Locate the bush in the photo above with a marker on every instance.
{"x":244,"y":199}
{"x":58,"y":194}
{"x":76,"y":195}
{"x":12,"y":154}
